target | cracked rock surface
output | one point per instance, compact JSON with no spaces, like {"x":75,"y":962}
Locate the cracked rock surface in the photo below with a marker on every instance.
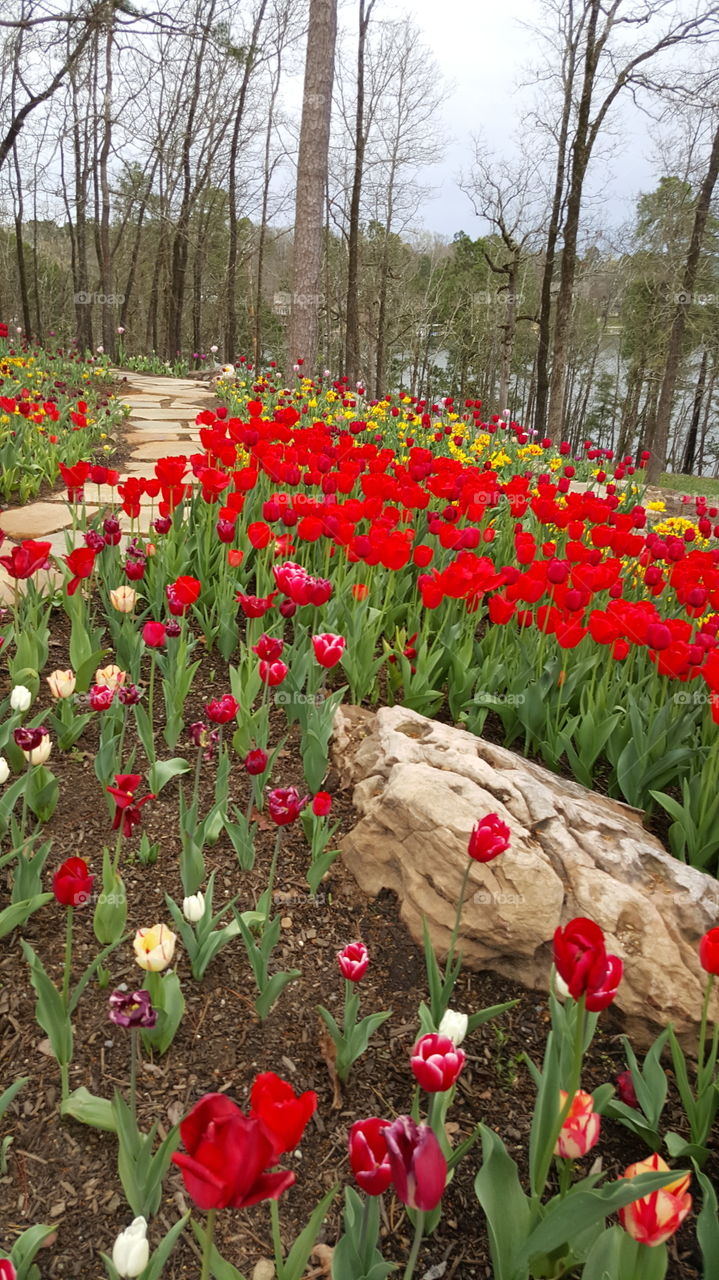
{"x":420,"y":786}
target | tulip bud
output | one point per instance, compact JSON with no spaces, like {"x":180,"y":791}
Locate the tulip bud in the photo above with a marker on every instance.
{"x":131,"y":1251}
{"x":580,"y":1131}
{"x":61,"y":683}
{"x":20,"y":698}
{"x":123,"y":599}
{"x":193,"y":908}
{"x":454,"y":1025}
{"x":4,"y":770}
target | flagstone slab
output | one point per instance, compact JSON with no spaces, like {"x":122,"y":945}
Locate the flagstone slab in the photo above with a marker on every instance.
{"x":165,"y":415}
{"x":150,"y":452}
{"x":34,"y":520}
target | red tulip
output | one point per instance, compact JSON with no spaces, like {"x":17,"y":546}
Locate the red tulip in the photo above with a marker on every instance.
{"x":273,"y":673}
{"x":582,"y":961}
{"x":436,"y":1062}
{"x":7,"y":1270}
{"x":321,"y":804}
{"x":353,"y":961}
{"x":419,"y":1169}
{"x":369,"y":1157}
{"x":228,"y":1156}
{"x":127,"y":811}
{"x":709,"y":952}
{"x":255,"y":606}
{"x":328,"y":649}
{"x":256,"y":762}
{"x":181,"y":594}
{"x":74,"y":478}
{"x":27,"y":559}
{"x":72,"y":883}
{"x":100,"y":697}
{"x":268,"y":648}
{"x":80,"y":563}
{"x":284,"y":805}
{"x":656,"y":1217}
{"x":222,"y":710}
{"x":490,"y":837}
{"x":284,"y":1114}
{"x":153,"y":633}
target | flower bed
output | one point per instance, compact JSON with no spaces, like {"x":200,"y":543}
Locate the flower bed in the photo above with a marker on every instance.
{"x":54,"y":408}
{"x":169,"y":835}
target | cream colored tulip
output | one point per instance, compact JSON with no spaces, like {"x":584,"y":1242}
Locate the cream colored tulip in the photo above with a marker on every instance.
{"x":154,"y":947}
{"x":110,"y":677}
{"x":62,"y":683}
{"x":40,"y":754}
{"x":123,"y":599}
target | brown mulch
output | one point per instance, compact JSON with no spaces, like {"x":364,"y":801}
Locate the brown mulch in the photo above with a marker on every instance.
{"x":64,"y":1173}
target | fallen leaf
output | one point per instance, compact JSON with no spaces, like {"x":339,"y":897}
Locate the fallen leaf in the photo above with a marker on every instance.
{"x":329,"y":1055}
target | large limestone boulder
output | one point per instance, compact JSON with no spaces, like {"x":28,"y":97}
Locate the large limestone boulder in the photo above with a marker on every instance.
{"x":420,"y":786}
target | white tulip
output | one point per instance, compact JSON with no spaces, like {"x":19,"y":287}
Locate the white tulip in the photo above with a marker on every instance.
{"x":561,"y":990}
{"x":454,"y":1025}
{"x":193,"y":908}
{"x":131,"y":1251}
{"x":4,"y":770}
{"x":20,"y":698}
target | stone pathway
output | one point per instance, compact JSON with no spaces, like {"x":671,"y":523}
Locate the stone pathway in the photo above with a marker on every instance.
{"x":161,"y":425}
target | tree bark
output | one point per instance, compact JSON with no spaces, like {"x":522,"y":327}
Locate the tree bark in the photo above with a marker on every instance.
{"x":690,"y":448}
{"x":658,"y":428}
{"x":541,"y":400}
{"x":352,"y":334}
{"x":303,"y":336}
{"x":231,"y":313}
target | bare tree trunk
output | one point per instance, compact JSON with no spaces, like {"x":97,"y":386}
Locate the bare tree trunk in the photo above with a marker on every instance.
{"x":20,"y":248}
{"x":658,"y":427}
{"x":311,"y":184}
{"x":580,"y":160}
{"x":135,"y":251}
{"x":705,"y":421}
{"x":231,"y":315}
{"x":555,"y":219}
{"x":83,"y":299}
{"x":105,"y":256}
{"x":180,"y":244}
{"x":690,"y":448}
{"x":352,"y":335}
{"x":268,"y":170}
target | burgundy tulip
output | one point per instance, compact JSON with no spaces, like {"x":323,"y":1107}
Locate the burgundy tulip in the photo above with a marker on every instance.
{"x":419,"y":1169}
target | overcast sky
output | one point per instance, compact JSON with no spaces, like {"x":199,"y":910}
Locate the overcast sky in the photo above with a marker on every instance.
{"x":484,"y":52}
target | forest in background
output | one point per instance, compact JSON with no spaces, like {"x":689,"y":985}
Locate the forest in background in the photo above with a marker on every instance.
{"x":150,"y":203}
